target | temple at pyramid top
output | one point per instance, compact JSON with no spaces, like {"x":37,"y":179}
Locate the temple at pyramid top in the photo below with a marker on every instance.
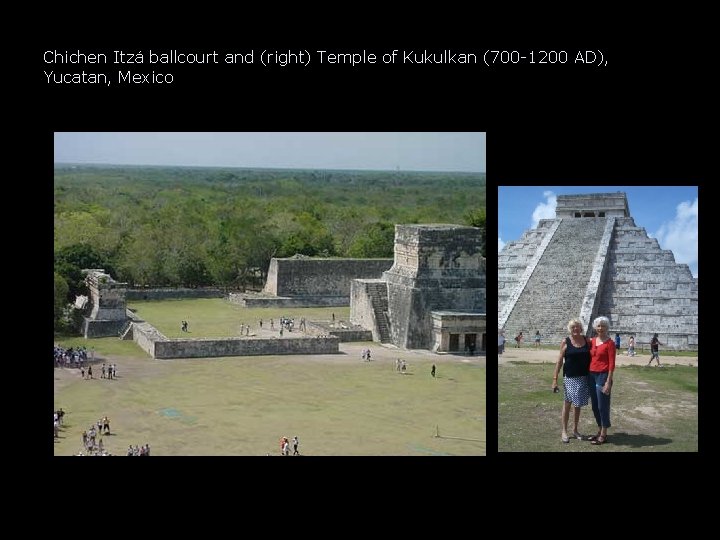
{"x":592,"y":260}
{"x":592,"y":205}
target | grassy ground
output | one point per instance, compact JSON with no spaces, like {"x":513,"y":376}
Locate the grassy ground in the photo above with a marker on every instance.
{"x":652,"y":410}
{"x":217,"y":317}
{"x":335,"y":404}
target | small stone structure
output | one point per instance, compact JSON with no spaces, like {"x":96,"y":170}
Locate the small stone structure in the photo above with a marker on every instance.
{"x":108,"y":309}
{"x":437,"y":268}
{"x":456,"y":331}
{"x":593,"y":260}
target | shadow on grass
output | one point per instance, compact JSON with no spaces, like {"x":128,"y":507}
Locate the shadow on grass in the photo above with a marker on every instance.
{"x":636,"y":441}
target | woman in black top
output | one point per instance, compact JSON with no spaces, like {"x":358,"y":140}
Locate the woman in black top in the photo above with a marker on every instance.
{"x":575,"y":360}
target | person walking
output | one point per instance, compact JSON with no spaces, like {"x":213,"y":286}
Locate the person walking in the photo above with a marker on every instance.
{"x":518,"y":340}
{"x":296,"y":443}
{"x":432,"y":371}
{"x":655,"y":353}
{"x":537,"y":339}
{"x":501,"y":342}
{"x":631,"y":346}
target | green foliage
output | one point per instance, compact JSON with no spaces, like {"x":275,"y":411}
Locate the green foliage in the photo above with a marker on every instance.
{"x":375,"y":240}
{"x":170,"y":226}
{"x":477,"y":218}
{"x":61,"y":298}
{"x":70,"y":260}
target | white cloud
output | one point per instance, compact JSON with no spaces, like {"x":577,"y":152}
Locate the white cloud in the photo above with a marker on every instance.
{"x":501,"y":244}
{"x":545,"y":210}
{"x":681,"y":235}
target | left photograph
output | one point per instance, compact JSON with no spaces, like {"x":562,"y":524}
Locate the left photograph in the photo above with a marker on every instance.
{"x":269,"y":294}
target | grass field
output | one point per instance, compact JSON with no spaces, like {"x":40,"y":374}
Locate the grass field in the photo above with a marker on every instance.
{"x":652,"y":410}
{"x":217,"y":317}
{"x":335,"y":404}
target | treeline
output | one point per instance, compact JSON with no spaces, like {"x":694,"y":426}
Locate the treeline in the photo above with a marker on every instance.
{"x":186,"y":226}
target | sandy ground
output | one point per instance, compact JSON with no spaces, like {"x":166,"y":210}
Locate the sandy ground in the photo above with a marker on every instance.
{"x":539,"y":356}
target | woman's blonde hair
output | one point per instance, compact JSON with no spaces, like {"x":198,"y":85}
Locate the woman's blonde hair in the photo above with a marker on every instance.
{"x":574,"y":322}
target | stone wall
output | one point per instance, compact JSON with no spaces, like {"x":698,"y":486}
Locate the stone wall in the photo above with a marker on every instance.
{"x":436,"y":267}
{"x":170,"y":293}
{"x":106,"y":295}
{"x":517,"y":262}
{"x":361,"y":308}
{"x":320,"y":277}
{"x":95,"y":329}
{"x":207,"y":348}
{"x":264,"y":300}
{"x":351,"y":333}
{"x":159,"y":346}
{"x":647,"y":292}
{"x":107,"y":310}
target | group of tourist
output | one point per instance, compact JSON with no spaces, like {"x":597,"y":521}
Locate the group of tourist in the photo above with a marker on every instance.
{"x":72,"y":357}
{"x":285,"y":446}
{"x":138,"y":450}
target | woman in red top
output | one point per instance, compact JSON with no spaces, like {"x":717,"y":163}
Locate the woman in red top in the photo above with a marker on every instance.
{"x":600,"y":379}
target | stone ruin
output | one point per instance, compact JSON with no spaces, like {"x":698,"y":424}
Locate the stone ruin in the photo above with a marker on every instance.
{"x":433,"y":296}
{"x":302,"y":281}
{"x":108,"y":310}
{"x":593,"y":260}
{"x":430,"y":296}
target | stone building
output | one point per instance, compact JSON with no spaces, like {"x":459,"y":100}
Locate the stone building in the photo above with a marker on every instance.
{"x":593,"y":260}
{"x":107,"y":314}
{"x":433,"y":296}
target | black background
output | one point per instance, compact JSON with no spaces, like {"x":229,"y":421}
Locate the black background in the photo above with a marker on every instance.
{"x":640,"y":120}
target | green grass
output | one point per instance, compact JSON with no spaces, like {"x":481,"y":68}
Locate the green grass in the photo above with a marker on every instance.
{"x":242,"y":406}
{"x":217,"y":317}
{"x":652,"y":410}
{"x":102,"y":346}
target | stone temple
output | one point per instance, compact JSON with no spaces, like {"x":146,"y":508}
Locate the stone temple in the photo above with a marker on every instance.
{"x":433,"y":297}
{"x":593,"y":260}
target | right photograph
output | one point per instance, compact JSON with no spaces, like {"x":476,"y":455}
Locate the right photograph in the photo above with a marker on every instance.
{"x":597,"y":318}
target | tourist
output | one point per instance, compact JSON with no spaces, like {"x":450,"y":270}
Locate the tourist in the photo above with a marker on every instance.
{"x":575,"y":360}
{"x":90,"y":372}
{"x":655,"y":353}
{"x":617,"y":342}
{"x":296,"y":443}
{"x":600,"y":377}
{"x":432,"y":371}
{"x":501,"y":341}
{"x":631,"y":346}
{"x":537,"y":339}
{"x":518,"y":340}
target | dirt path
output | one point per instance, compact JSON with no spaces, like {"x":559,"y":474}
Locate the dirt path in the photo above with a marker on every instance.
{"x":539,"y":356}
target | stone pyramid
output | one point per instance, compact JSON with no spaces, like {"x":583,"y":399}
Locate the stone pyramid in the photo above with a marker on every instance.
{"x":593,"y":260}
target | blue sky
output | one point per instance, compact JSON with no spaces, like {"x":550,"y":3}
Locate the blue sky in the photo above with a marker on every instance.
{"x":419,"y":151}
{"x":668,"y":213}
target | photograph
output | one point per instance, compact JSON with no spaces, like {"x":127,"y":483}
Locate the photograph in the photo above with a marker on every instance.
{"x":598,"y":318}
{"x":269,"y":293}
